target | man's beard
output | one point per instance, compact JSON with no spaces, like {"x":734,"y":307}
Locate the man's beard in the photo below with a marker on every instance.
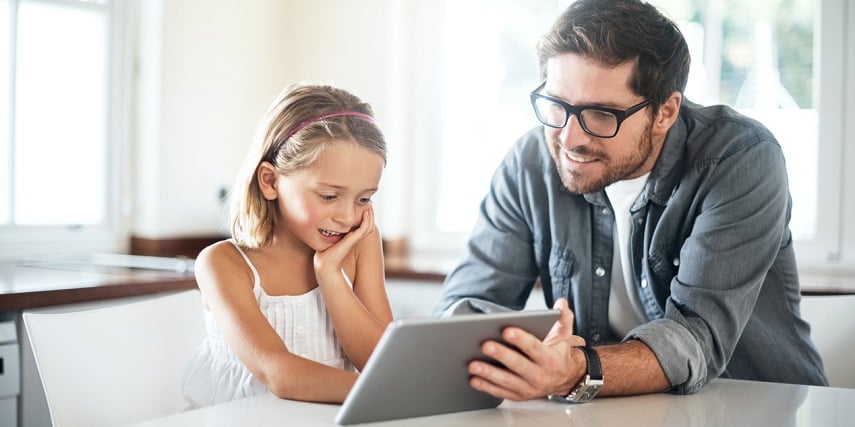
{"x":628,"y":166}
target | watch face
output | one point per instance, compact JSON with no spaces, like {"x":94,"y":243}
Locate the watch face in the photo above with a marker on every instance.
{"x":584,"y":392}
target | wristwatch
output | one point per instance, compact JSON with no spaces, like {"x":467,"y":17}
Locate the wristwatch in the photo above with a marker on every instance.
{"x":590,"y":385}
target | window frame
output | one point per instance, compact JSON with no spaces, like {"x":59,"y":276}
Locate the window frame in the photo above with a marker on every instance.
{"x":825,"y":250}
{"x":111,"y":235}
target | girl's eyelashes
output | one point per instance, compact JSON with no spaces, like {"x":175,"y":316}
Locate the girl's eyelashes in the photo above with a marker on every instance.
{"x":333,"y":197}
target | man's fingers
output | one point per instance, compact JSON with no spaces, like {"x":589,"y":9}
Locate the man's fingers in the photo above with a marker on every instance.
{"x":567,"y":316}
{"x":495,"y":381}
{"x":563,"y":327}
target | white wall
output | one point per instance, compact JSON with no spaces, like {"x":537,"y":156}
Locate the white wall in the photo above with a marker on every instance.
{"x":206,"y":73}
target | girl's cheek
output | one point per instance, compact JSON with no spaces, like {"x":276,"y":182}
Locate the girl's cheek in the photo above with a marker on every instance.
{"x":299,"y":210}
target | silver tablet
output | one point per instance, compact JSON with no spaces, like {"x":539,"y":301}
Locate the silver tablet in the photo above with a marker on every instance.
{"x":420,"y":365}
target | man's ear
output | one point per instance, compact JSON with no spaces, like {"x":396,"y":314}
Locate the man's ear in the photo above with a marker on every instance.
{"x":267,"y":180}
{"x":667,"y":114}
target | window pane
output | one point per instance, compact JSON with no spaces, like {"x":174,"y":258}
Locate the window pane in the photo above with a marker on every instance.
{"x":758,"y":57}
{"x":488,"y":74}
{"x":61,"y":115}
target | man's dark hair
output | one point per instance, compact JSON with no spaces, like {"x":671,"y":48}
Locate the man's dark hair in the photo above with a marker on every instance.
{"x":614,"y":32}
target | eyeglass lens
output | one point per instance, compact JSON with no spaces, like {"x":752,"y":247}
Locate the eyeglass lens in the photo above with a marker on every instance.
{"x":597,"y":122}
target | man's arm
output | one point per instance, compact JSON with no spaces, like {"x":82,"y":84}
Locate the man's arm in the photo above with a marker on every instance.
{"x":554,"y":366}
{"x":630,"y":368}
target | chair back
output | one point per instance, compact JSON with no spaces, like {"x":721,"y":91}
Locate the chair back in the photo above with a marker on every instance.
{"x":832,"y":329}
{"x":118,"y":364}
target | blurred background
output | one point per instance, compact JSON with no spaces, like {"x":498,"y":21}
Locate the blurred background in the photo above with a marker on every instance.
{"x":128,"y":119}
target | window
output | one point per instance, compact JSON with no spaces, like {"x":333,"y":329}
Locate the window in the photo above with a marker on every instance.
{"x":481,"y":104}
{"x":761,"y":62}
{"x":484,"y":79}
{"x":766,"y":58}
{"x":763,"y":59}
{"x":58,"y":113}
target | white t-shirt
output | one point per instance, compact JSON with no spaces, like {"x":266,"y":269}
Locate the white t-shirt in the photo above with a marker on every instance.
{"x":625,"y":309}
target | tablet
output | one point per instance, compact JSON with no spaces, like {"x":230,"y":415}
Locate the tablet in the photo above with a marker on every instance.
{"x":420,"y":365}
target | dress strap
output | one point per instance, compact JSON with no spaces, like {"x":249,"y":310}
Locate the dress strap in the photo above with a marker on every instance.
{"x":255,"y":275}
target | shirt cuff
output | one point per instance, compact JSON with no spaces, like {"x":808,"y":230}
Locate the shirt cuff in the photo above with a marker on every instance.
{"x":679,"y":354}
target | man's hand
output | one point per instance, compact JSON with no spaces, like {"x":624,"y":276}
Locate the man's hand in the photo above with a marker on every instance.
{"x":563,"y":328}
{"x":537,"y":368}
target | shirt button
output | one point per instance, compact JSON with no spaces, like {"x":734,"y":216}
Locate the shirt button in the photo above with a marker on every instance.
{"x":595,"y":338}
{"x":300,"y":330}
{"x":640,"y":221}
{"x":643,"y":283}
{"x":600,"y":272}
{"x":676,"y":262}
{"x":605,"y":211}
{"x":300,"y":303}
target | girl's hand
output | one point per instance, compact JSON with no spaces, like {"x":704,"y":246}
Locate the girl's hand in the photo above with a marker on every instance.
{"x":328,"y":263}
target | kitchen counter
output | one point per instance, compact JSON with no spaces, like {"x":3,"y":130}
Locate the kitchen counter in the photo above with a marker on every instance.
{"x":30,"y":284}
{"x":42,"y":283}
{"x":26,"y":284}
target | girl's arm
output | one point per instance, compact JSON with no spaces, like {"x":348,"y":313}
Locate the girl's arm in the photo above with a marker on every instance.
{"x":360,"y":313}
{"x":226,"y":284}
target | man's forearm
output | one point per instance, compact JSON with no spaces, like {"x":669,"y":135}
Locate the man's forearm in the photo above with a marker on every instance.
{"x":630,"y":368}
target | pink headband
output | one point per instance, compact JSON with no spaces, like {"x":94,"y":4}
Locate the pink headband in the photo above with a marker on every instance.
{"x":307,"y":122}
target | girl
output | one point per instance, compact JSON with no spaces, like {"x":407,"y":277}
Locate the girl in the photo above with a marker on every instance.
{"x":295,"y":301}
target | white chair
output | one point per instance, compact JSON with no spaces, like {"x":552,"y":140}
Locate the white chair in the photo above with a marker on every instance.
{"x":832,"y":322}
{"x":118,"y":364}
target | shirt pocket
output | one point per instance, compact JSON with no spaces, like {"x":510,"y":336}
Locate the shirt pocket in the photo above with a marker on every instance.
{"x":561,"y":265}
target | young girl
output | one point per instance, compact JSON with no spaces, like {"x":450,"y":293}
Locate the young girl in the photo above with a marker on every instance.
{"x":295,"y":301}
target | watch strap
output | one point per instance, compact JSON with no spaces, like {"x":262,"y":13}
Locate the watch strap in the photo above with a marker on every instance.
{"x":595,"y":369}
{"x":591,"y":383}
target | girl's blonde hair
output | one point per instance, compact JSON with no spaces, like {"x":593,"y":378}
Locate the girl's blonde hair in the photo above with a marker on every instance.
{"x":292,"y":135}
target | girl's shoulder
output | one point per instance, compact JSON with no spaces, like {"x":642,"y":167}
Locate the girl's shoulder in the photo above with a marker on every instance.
{"x":221,"y":261}
{"x":222,"y":251}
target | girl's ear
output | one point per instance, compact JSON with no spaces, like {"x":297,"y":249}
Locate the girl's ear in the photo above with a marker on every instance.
{"x":267,"y":179}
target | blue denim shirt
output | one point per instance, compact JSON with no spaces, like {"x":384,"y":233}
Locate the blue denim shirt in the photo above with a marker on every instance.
{"x":712,"y":252}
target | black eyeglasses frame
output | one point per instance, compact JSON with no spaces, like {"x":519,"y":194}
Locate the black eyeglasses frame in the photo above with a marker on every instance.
{"x":576,"y":110}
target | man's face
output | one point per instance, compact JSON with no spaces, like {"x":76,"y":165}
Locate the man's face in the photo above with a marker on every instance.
{"x":587,"y":163}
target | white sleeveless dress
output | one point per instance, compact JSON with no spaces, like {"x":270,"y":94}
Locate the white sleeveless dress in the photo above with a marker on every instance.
{"x":215,"y":374}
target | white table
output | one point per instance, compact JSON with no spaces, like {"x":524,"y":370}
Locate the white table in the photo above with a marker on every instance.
{"x":722,"y":403}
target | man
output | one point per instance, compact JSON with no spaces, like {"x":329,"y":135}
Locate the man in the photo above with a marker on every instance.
{"x":664,"y":225}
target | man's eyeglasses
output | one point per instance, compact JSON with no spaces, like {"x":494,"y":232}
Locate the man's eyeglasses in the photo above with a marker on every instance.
{"x":597,"y":121}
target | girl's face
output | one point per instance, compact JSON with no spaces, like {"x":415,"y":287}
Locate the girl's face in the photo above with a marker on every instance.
{"x":321,"y":203}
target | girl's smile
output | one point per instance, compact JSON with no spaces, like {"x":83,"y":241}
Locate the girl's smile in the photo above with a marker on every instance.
{"x":332,"y":236}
